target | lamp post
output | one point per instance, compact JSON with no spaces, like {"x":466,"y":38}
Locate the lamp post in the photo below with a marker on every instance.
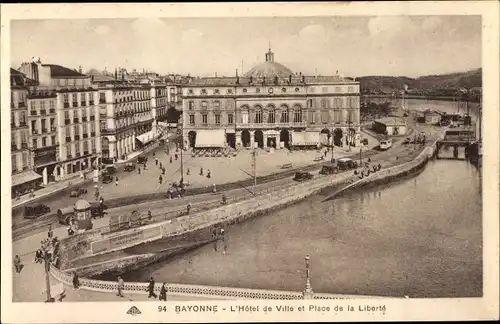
{"x":47,"y":278}
{"x":308,"y":292}
{"x":360,"y":155}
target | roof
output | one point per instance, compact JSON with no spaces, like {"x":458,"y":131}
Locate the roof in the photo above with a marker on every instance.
{"x":82,"y":205}
{"x":58,"y":71}
{"x":269,"y":70}
{"x":391,"y":121}
{"x":18,"y":78}
{"x":24,"y":177}
{"x":254,"y":81}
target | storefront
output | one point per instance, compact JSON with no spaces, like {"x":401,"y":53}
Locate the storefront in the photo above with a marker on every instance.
{"x":214,"y":138}
{"x":23,"y":182}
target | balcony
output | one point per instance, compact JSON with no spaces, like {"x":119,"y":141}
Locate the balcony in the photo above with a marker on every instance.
{"x":102,"y":101}
{"x":12,"y":125}
{"x":78,"y":154}
{"x":34,"y":132}
{"x":92,"y":134}
{"x":75,"y":103}
{"x":84,"y":119}
{"x":107,"y":131}
{"x":13,"y":147}
{"x":271,"y":125}
{"x":24,"y":146}
{"x":66,"y":105}
{"x":77,"y":137}
{"x":22,"y":124}
{"x":93,"y":151}
{"x":85,"y":135}
{"x":66,"y":122}
{"x":21,"y":105}
{"x":53,"y":129}
{"x":43,"y":112}
{"x":52,"y":111}
{"x":33,"y":113}
{"x":45,"y":130}
{"x":75,"y":120}
{"x":92,"y":118}
{"x":68,"y":139}
{"x":91,"y":102}
{"x":83,"y":103}
{"x":85,"y":152}
{"x":69,"y":156}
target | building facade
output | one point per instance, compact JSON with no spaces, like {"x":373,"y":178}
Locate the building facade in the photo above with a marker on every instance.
{"x":271,"y":106}
{"x":63,"y":121}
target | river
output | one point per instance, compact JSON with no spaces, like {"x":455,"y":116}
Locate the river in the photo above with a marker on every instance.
{"x":420,"y":237}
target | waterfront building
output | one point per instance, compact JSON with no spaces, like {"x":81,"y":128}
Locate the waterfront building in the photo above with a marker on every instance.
{"x":432,"y":117}
{"x":270,"y":106}
{"x":23,"y":177}
{"x":63,"y":120}
{"x":392,"y":126}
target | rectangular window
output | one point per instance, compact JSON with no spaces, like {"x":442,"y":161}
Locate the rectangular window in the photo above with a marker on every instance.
{"x":204,"y":105}
{"x":324,"y":117}
{"x":33,"y":127}
{"x":312,"y":117}
{"x":44,"y":141}
{"x":204,"y":119}
{"x":230,"y":119}
{"x":52,"y":104}
{"x":22,"y":118}
{"x":191,"y":105}
{"x":65,"y":98}
{"x":25,"y":160}
{"x":42,"y":104}
{"x":14,"y":162}
{"x":324,"y":89}
{"x":191,"y":119}
{"x":77,"y":148}
{"x":53,"y":140}
{"x":68,"y":150}
{"x":92,"y":144}
{"x":217,"y":104}
{"x":85,"y":146}
{"x":309,"y":103}
{"x":34,"y":141}
{"x":217,"y":119}
{"x":75,"y":99}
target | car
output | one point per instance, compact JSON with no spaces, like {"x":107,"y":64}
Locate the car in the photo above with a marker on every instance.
{"x":109,"y":169}
{"x":364,"y":141}
{"x":142,"y":159}
{"x":35,"y":210}
{"x":107,"y":178}
{"x":77,"y":192}
{"x":129,"y":167}
{"x":346,"y":164}
{"x":407,"y":140}
{"x":328,"y":169}
{"x":302,"y":176}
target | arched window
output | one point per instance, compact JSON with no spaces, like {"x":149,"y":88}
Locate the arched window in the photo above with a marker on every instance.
{"x":258,"y":115}
{"x":271,"y":114}
{"x":297,"y":114}
{"x":245,"y":113}
{"x":204,"y":105}
{"x":284,"y":114}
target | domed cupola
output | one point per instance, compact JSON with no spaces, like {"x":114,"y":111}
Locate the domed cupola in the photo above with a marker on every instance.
{"x":269,"y":69}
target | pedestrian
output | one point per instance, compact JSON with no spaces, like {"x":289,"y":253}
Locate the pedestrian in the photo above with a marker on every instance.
{"x":76,"y":281}
{"x":170,"y":159}
{"x":209,"y":174}
{"x":151,"y":288}
{"x":326,"y":152}
{"x":160,"y":179}
{"x":188,"y":208}
{"x":201,"y":171}
{"x":369,"y":160}
{"x":154,"y":154}
{"x":139,"y":170}
{"x":50,"y":234}
{"x":70,"y":230}
{"x":17,"y":263}
{"x":188,"y":171}
{"x":38,"y":256}
{"x":116,"y":181}
{"x":163,"y":292}
{"x":163,"y":171}
{"x":176,"y":156}
{"x":121,"y":285}
{"x":214,"y":189}
{"x":161,"y":165}
{"x":150,"y":216}
{"x":156,"y":161}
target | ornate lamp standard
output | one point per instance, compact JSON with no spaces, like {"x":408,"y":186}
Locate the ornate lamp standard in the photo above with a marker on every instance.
{"x":308,"y":292}
{"x":47,"y":278}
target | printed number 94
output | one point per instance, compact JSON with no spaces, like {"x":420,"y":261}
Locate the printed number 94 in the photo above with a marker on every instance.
{"x":162,"y":309}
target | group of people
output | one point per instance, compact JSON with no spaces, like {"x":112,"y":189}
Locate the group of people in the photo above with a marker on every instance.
{"x":150,"y":289}
{"x":47,"y":247}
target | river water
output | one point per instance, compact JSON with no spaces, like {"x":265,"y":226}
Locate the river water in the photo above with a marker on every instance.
{"x":420,"y":237}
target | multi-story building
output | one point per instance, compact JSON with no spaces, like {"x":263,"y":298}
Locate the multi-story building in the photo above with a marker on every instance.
{"x":271,"y":106}
{"x":23,"y":177}
{"x":66,"y":140}
{"x":126,"y":118}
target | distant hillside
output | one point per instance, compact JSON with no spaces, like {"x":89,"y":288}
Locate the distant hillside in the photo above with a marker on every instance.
{"x":432,"y":84}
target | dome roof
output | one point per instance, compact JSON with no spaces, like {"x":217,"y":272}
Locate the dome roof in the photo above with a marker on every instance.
{"x":82,"y":204}
{"x":269,"y":69}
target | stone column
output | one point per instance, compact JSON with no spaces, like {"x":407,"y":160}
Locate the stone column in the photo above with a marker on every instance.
{"x":238,"y":139}
{"x":265,"y":140}
{"x":252,"y":139}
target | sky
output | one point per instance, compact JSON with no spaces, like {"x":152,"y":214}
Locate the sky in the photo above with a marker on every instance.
{"x":355,"y":46}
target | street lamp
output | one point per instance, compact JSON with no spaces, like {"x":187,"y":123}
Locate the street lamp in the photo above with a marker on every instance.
{"x":308,"y":290}
{"x":47,"y":278}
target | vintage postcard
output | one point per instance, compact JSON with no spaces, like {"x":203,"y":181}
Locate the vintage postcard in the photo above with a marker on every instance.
{"x":225,"y":162}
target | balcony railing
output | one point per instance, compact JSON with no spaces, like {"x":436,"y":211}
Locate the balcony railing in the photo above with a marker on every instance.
{"x":75,"y":120}
{"x":24,"y":146}
{"x":33,"y":113}
{"x":92,"y":118}
{"x":75,"y":103}
{"x":85,"y":135}
{"x":77,"y":137}
{"x":52,"y":111}
{"x":22,"y":124}
{"x":69,"y":156}
{"x":34,"y":132}
{"x":102,"y":101}
{"x":271,"y":125}
{"x":91,"y":102}
{"x":21,"y":104}
{"x":83,"y":103}
{"x":43,"y":112}
{"x":66,"y":105}
{"x":68,"y":139}
{"x":45,"y":130}
{"x":66,"y":122}
{"x":13,"y":147}
{"x":77,"y":154}
{"x":92,"y":134}
{"x":53,"y":128}
{"x":93,"y":151}
{"x":85,"y":152}
{"x":107,"y":131}
{"x":12,"y":125}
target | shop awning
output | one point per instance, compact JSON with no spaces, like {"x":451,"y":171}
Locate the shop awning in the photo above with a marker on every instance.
{"x":210,"y":138}
{"x":146,"y":137}
{"x":24,"y":177}
{"x":305,"y":138}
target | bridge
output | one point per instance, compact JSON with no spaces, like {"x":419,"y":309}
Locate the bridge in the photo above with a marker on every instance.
{"x":457,"y":137}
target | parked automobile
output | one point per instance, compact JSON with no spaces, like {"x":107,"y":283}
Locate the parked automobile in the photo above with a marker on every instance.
{"x":142,"y":159}
{"x":385,"y":144}
{"x":109,"y":169}
{"x":302,"y":176}
{"x":346,"y":164}
{"x":129,"y":167}
{"x":107,"y":178}
{"x":35,"y":210}
{"x":77,"y":192}
{"x":328,"y":169}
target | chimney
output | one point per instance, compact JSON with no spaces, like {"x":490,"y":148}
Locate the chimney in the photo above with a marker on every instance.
{"x":215,"y":74}
{"x":290,"y":78}
{"x":80,"y":69}
{"x":303,"y":78}
{"x":236,"y":72}
{"x":276,"y":80}
{"x":264,"y":79}
{"x":116,"y":74}
{"x":251,"y":79}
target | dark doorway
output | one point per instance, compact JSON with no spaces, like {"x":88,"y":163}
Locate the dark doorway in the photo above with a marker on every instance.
{"x":327,"y":132}
{"x":337,"y":137}
{"x":351,"y":137}
{"x":271,"y":142}
{"x":192,"y":138}
{"x":285,"y":137}
{"x":231,"y":140}
{"x":259,"y":138}
{"x":245,"y":138}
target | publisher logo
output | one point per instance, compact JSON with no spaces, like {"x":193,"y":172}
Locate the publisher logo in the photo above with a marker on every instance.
{"x":134,"y":311}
